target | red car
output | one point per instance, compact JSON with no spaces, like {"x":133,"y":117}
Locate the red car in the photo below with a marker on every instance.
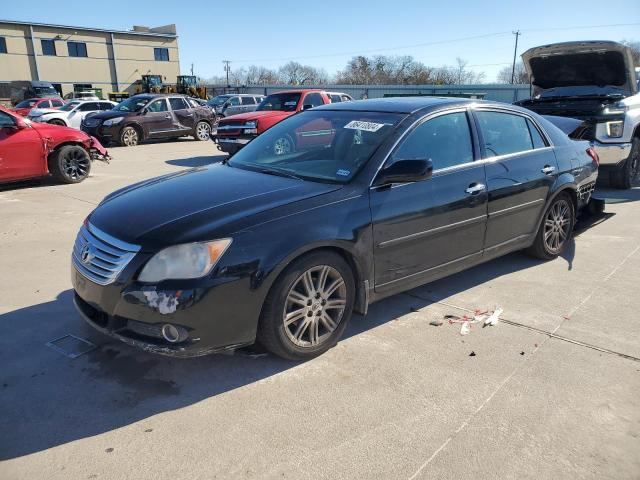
{"x":236,"y":131}
{"x":24,"y":107}
{"x":29,"y":150}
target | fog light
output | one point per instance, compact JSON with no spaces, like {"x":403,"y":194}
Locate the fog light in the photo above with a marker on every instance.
{"x":171,"y":333}
{"x":615,"y":129}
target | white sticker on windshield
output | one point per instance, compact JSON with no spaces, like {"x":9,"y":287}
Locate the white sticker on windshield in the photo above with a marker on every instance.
{"x":366,"y":126}
{"x":290,"y":104}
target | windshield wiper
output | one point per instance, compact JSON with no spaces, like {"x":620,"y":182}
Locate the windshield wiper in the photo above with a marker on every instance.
{"x":278,"y":172}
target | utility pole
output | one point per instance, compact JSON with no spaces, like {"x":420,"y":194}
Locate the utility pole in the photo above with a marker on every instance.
{"x":192,"y":69}
{"x":515,"y":52}
{"x":227,"y":68}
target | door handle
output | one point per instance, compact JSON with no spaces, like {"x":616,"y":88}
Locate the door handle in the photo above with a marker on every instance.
{"x":167,"y":116}
{"x":548,"y":169}
{"x":475,"y":188}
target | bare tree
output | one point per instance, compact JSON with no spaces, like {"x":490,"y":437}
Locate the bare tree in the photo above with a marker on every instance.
{"x":521,"y":76}
{"x":294,"y":73}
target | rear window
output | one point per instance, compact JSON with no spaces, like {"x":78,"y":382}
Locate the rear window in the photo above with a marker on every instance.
{"x":504,"y":133}
{"x":26,"y":104}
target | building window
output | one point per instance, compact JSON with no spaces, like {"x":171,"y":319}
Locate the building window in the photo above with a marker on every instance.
{"x":48,"y":47}
{"x":77,"y":49}
{"x":3,"y":45}
{"x":161,"y":54}
{"x":82,"y":87}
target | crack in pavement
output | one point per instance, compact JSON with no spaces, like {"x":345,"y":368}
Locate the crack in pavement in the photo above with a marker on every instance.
{"x":552,"y":334}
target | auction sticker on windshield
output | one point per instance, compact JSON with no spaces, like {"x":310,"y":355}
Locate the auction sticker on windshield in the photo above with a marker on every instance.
{"x":366,"y":126}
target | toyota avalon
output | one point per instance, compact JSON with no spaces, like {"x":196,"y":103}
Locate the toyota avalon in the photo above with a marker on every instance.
{"x":281,"y":247}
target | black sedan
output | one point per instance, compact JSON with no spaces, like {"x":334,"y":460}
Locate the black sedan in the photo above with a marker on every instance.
{"x":281,"y":246}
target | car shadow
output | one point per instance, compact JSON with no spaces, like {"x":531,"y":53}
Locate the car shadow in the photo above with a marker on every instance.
{"x":49,"y":400}
{"x":195,"y":161}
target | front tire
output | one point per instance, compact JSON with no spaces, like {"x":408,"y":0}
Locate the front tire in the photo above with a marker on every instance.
{"x":129,"y":137}
{"x":555,"y":229}
{"x":629,"y":174}
{"x":70,"y":164}
{"x":58,"y":122}
{"x":308,"y":307}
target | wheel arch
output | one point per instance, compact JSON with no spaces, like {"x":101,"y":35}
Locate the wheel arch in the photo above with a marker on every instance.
{"x":347,"y":253}
{"x":58,"y":119}
{"x":565,"y":184}
{"x":137,"y":127}
{"x":63,"y":144}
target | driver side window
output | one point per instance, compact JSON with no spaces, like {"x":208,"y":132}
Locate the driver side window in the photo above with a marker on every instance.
{"x":235,"y":101}
{"x":6,"y":120}
{"x":158,"y":106}
{"x":445,"y":140}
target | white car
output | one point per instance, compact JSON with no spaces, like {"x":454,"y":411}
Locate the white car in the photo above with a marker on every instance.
{"x":71,"y":113}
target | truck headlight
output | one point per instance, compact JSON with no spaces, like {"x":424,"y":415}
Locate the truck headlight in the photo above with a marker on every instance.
{"x":615,"y":129}
{"x":189,"y":260}
{"x":616,"y":109}
{"x":112,"y":121}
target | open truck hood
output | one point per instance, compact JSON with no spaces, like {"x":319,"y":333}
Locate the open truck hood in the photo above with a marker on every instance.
{"x":598,"y":66}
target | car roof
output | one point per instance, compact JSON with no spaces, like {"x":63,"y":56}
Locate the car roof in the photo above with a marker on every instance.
{"x":409,"y":104}
{"x":300,"y":90}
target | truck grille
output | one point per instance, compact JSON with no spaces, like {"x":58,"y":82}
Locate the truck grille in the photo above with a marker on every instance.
{"x":100,"y":257}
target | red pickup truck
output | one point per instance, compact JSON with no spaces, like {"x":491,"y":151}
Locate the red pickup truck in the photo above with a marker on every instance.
{"x":236,"y":131}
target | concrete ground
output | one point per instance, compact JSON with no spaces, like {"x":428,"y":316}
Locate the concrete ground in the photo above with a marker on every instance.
{"x":551,"y":394}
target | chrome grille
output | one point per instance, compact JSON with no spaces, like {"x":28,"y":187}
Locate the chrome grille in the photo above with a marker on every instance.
{"x":99,"y":256}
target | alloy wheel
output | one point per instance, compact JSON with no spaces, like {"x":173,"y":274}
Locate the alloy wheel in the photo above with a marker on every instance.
{"x":556,"y":226}
{"x":314,"y":306}
{"x":75,"y":164}
{"x":130,"y":137}
{"x":203,"y":131}
{"x":282,"y":146}
{"x":635,"y":164}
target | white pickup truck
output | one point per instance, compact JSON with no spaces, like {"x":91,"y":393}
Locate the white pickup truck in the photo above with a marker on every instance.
{"x":593,"y":81}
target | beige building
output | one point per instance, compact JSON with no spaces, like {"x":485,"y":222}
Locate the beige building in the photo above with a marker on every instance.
{"x":77,"y":58}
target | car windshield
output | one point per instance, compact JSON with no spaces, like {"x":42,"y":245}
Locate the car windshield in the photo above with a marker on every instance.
{"x":133,"y":104}
{"x":285,"y":102}
{"x":219,"y":100}
{"x":67,"y":107}
{"x":26,"y":104}
{"x":46,"y":91}
{"x":325,"y":146}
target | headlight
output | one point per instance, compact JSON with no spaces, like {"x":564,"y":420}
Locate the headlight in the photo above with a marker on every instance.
{"x":616,"y":109}
{"x":190,"y":260}
{"x":113,"y":121}
{"x":251,"y":124}
{"x":615,"y":129}
{"x":251,"y":128}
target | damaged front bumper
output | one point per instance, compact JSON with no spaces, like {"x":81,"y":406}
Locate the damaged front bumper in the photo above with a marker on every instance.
{"x":98,"y":152}
{"x":136,"y":314}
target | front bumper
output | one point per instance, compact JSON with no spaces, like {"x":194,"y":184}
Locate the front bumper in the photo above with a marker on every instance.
{"x":612,"y":154}
{"x":104,"y":134}
{"x":231,"y":144}
{"x":216,"y":316}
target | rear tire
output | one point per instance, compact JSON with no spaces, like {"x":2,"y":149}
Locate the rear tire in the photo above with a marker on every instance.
{"x":70,"y":164}
{"x":628,"y":175}
{"x":308,"y":307}
{"x":202,"y":131}
{"x":555,"y":229}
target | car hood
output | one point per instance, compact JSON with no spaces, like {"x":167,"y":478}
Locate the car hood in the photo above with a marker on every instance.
{"x":106,"y":115}
{"x":256,"y":115}
{"x":196,"y":205}
{"x":36,"y":112}
{"x":576,"y":64}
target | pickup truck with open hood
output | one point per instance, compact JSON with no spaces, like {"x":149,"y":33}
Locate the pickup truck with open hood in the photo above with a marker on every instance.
{"x":593,"y":81}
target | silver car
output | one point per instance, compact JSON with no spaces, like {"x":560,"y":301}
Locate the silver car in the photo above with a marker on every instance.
{"x":234,"y":103}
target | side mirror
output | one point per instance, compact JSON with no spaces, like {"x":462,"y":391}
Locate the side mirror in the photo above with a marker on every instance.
{"x":406,"y":171}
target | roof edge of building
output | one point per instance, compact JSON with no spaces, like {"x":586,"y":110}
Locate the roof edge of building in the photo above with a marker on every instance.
{"x":164,"y":31}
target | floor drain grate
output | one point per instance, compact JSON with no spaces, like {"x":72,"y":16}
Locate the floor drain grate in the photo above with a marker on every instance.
{"x":71,"y":346}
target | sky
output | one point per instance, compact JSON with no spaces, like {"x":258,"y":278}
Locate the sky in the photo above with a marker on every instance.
{"x":327,"y":33}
